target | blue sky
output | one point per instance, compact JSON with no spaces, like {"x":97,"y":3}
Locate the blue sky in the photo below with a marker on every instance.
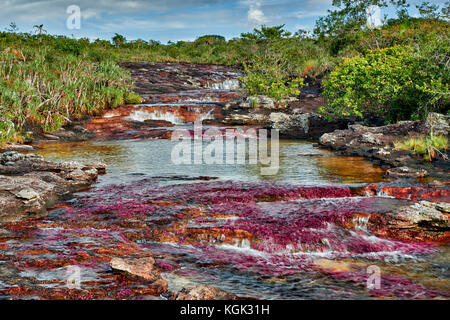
{"x":165,"y":20}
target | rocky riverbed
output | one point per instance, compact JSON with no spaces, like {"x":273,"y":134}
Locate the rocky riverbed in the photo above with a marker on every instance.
{"x":148,"y":229}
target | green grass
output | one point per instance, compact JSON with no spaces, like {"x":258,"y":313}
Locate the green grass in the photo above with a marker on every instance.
{"x":43,"y":88}
{"x":428,"y":147}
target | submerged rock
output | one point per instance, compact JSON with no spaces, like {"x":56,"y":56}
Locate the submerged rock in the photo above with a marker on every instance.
{"x":202,"y":292}
{"x":407,"y":172}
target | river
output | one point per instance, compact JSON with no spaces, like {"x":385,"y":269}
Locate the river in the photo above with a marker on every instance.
{"x":297,"y":234}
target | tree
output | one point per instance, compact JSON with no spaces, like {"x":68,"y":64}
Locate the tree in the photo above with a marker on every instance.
{"x":39,"y":29}
{"x":302,"y":34}
{"x":267,"y":33}
{"x":351,"y":15}
{"x":118,"y":40}
{"x":428,"y":10}
{"x":445,"y":11}
{"x":396,"y":83}
{"x":210,"y":39}
{"x":12,"y":27}
{"x":152,"y":42}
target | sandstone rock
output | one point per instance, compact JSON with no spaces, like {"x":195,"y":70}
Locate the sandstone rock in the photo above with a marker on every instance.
{"x":143,"y":268}
{"x":27,"y":194}
{"x":17,"y":147}
{"x":202,"y":292}
{"x":29,"y":183}
{"x":422,"y":221}
{"x":12,"y":196}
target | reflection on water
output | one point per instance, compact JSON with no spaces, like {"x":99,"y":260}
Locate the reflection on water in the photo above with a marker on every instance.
{"x":300,"y":163}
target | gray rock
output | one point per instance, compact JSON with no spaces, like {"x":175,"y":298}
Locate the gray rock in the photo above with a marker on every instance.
{"x":371,"y":138}
{"x":302,"y":125}
{"x":29,"y":183}
{"x":50,"y":136}
{"x":27,"y":194}
{"x":407,"y":172}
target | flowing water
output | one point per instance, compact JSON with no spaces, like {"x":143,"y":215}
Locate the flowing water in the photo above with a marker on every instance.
{"x":298,"y":234}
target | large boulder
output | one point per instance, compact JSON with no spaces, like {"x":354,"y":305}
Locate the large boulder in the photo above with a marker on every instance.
{"x":421,"y":221}
{"x":375,"y":142}
{"x":142,"y":268}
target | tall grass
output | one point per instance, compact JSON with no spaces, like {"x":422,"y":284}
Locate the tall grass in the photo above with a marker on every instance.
{"x":43,"y":88}
{"x":429,"y":147}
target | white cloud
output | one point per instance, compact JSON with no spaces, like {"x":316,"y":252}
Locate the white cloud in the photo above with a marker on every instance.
{"x":255,"y":14}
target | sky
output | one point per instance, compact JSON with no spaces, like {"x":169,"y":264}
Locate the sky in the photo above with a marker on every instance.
{"x":163,"y":20}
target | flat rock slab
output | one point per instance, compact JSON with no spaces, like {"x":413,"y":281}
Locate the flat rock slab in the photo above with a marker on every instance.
{"x":29,"y":184}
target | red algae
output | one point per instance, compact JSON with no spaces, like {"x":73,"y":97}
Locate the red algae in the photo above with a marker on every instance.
{"x":264,"y":229}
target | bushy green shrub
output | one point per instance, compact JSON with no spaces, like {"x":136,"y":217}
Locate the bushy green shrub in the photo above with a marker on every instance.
{"x":270,"y":78}
{"x":68,"y":45}
{"x":397,"y":83}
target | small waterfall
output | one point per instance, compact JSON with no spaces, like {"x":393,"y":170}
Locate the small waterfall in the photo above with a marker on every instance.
{"x":142,"y":115}
{"x":230,"y":84}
